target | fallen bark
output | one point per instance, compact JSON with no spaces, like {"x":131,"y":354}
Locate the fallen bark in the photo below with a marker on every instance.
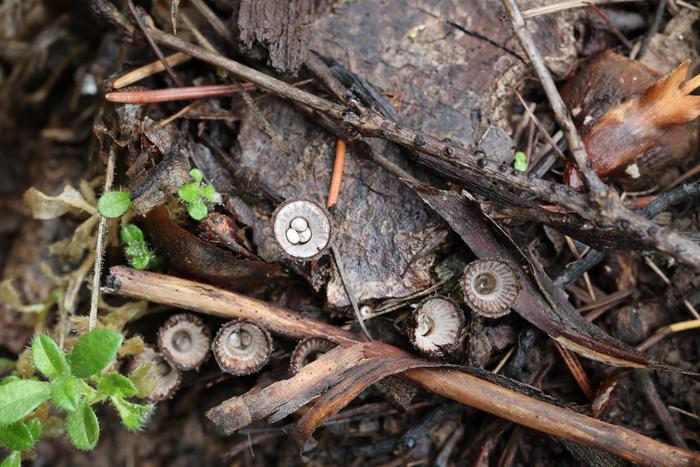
{"x":454,"y":384}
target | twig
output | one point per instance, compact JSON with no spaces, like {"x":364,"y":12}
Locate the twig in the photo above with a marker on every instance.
{"x":658,"y":16}
{"x":100,"y":245}
{"x":175,"y":94}
{"x":154,"y":46}
{"x":453,"y":161}
{"x":614,"y":29}
{"x":213,"y":20}
{"x":450,"y":383}
{"x":576,"y":370}
{"x":337,"y":176}
{"x":667,"y":330}
{"x":659,"y":408}
{"x":349,"y":291}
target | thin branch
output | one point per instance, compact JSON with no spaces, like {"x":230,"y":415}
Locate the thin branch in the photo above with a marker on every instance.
{"x":454,"y":384}
{"x":100,"y":245}
{"x":453,"y":161}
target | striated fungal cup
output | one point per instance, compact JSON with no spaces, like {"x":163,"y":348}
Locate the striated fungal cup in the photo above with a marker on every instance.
{"x":184,"y":341}
{"x":307,"y":351}
{"x":169,"y":377}
{"x":490,"y":287}
{"x":437,"y":327}
{"x":241,"y":347}
{"x":302,"y":229}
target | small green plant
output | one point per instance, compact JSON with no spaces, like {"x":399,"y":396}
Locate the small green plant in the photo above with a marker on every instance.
{"x":136,"y":250}
{"x":520,"y":163}
{"x":114,"y":204}
{"x":74,"y":383}
{"x":196,"y":195}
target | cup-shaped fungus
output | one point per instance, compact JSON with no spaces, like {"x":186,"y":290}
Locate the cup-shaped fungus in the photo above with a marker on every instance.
{"x":307,"y":351}
{"x":169,"y":377}
{"x":241,"y":347}
{"x":184,"y":341}
{"x":437,"y":327}
{"x":490,"y":287}
{"x":302,"y":229}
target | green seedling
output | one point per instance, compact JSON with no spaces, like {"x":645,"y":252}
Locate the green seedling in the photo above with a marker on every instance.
{"x":73,"y":382}
{"x":114,"y":204}
{"x":136,"y":250}
{"x":520,"y":163}
{"x":196,"y":195}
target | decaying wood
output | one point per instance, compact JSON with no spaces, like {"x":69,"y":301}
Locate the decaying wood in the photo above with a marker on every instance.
{"x":278,"y":31}
{"x":450,"y":383}
{"x":455,"y":162}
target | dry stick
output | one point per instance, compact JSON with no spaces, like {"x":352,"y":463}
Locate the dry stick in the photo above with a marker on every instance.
{"x":337,"y":176}
{"x":453,"y":384}
{"x":658,"y":16}
{"x":452,"y":160}
{"x":657,"y":405}
{"x":100,"y":245}
{"x":614,"y":29}
{"x":213,"y":20}
{"x":176,"y":94}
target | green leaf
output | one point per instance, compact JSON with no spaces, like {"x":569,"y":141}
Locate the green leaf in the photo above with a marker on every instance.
{"x":17,"y":437}
{"x":520,"y":163}
{"x":115,"y":384}
{"x":13,"y":460}
{"x":130,"y":233}
{"x":66,"y":393}
{"x":197,"y":210}
{"x":48,"y":358}
{"x":133,"y":416}
{"x":83,"y":428}
{"x":35,"y":428}
{"x":137,"y":252}
{"x":145,"y":378}
{"x":197,"y":175}
{"x":114,"y":203}
{"x":18,"y":399}
{"x":189,"y":192}
{"x":94,"y":352}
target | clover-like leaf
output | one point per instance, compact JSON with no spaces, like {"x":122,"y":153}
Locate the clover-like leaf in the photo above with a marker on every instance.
{"x":48,"y":358}
{"x":137,"y":252}
{"x":18,"y":398}
{"x":17,"y":436}
{"x":133,"y":416}
{"x":66,"y":393}
{"x":195,"y":194}
{"x":13,"y":460}
{"x":83,"y":428}
{"x":94,"y":352}
{"x":114,"y":204}
{"x":197,"y":210}
{"x":115,"y":384}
